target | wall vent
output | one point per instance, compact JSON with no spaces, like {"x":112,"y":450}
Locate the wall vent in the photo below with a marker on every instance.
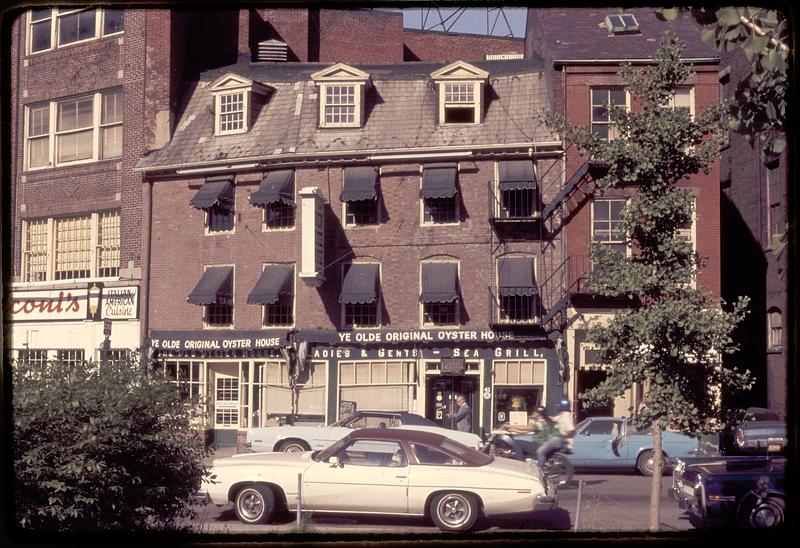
{"x":503,"y":56}
{"x":273,"y":50}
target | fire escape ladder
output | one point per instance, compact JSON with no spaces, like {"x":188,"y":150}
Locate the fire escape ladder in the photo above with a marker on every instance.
{"x":574,"y":186}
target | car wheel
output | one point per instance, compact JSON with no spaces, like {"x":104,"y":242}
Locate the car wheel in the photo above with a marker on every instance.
{"x":767,"y":514}
{"x":645,"y":463}
{"x":293,"y":446}
{"x":559,"y":466}
{"x":254,"y":504}
{"x":454,"y":511}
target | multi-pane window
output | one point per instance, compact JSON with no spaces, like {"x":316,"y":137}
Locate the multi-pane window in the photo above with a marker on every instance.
{"x":74,"y":130}
{"x":518,"y":203}
{"x":361,"y":212}
{"x":280,"y":313}
{"x":219,"y":314}
{"x":70,"y":356}
{"x":604,"y":101}
{"x":516,"y":308}
{"x":232,"y":112}
{"x":607,"y":224}
{"x":220,"y":218}
{"x":460,"y":105}
{"x":56,"y":27}
{"x":32,"y":356}
{"x":775,"y":217}
{"x":686,"y":230}
{"x":279,"y":215}
{"x":361,"y":314}
{"x":440,"y":313}
{"x":108,"y":244}
{"x":440,"y":210}
{"x":188,"y":376}
{"x":35,"y":254}
{"x":80,"y":247}
{"x":681,"y":99}
{"x":118,"y":356}
{"x":340,"y":105}
{"x":73,"y":247}
{"x":775,"y":326}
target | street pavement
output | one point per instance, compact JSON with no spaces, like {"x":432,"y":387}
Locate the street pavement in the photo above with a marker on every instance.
{"x":610,"y":502}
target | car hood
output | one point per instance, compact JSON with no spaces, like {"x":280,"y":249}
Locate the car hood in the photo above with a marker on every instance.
{"x":729,"y":466}
{"x":764,"y":428}
{"x":255,"y":459}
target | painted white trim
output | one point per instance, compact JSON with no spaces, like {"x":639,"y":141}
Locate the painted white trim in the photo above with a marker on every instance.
{"x":458,"y":301}
{"x":378,"y":299}
{"x":233,"y":301}
{"x":265,"y":325}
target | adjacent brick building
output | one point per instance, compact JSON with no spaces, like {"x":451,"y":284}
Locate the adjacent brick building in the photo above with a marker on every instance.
{"x":586,"y":48}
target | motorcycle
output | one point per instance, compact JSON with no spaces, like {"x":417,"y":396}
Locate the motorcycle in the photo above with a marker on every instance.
{"x":556,"y":465}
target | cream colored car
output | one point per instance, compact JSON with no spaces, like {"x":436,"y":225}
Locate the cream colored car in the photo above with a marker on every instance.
{"x":382,"y":471}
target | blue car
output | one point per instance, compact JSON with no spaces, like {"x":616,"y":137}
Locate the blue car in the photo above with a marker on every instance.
{"x":594,"y":445}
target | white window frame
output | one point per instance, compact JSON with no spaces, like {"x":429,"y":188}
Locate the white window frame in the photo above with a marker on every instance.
{"x":94,"y":249}
{"x":774,"y":329}
{"x":207,"y":220}
{"x":229,"y":327}
{"x":55,"y":19}
{"x":591,"y":232}
{"x":671,"y":101}
{"x":54,"y":133}
{"x":358,"y":93}
{"x":378,"y":300}
{"x":245,"y":110}
{"x":265,"y":211}
{"x":475,"y":103}
{"x":422,"y":221}
{"x":534,"y":319}
{"x":265,"y":325}
{"x":378,"y":216}
{"x":612,"y":130}
{"x":458,"y":303}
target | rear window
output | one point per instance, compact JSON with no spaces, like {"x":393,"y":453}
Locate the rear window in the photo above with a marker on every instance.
{"x":762,"y":415}
{"x":467,"y":454}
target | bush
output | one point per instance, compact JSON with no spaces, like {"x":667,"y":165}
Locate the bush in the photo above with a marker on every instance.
{"x":102,"y":449}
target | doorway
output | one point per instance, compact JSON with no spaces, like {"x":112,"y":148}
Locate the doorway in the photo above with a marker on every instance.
{"x":441,"y":399}
{"x":587,"y":379}
{"x":226,"y":403}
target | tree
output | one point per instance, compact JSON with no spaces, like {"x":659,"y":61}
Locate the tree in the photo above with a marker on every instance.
{"x":671,"y":339}
{"x":101,"y":449}
{"x":759,"y":111}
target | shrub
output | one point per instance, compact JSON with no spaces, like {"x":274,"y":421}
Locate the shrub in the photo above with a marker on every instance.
{"x":102,"y":449}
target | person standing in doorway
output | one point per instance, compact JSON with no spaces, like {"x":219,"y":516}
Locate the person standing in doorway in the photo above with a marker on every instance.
{"x":463,"y":416}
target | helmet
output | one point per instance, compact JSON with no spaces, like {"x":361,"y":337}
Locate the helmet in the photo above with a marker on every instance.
{"x":540,"y":409}
{"x":563,"y":405}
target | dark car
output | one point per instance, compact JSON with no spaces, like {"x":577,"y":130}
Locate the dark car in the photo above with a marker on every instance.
{"x":761,"y":433}
{"x":741,"y":491}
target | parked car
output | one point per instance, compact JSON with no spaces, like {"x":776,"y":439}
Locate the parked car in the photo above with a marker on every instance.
{"x":762,"y":432}
{"x":304,"y":438}
{"x":740,"y":491}
{"x":610,"y":442}
{"x":381,"y":471}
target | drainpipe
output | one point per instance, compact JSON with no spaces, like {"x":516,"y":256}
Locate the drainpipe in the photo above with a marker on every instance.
{"x":147,"y":214}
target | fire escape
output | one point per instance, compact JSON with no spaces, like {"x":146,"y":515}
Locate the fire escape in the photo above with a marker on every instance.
{"x":514,"y":218}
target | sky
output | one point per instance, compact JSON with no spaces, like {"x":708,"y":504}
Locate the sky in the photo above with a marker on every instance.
{"x":473,"y":20}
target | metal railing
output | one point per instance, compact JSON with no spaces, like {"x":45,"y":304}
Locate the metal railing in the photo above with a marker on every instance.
{"x":514,"y":310}
{"x":521,"y":205}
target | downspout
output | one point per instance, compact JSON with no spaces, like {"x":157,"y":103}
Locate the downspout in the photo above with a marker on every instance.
{"x":144,"y":316}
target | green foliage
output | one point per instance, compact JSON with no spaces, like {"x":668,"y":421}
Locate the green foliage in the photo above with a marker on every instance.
{"x":759,"y":111}
{"x":101,"y":449}
{"x":673,"y":338}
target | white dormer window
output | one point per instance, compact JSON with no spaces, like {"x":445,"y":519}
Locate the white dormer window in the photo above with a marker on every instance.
{"x":460,"y":89}
{"x":236,"y":102}
{"x":342,"y":93}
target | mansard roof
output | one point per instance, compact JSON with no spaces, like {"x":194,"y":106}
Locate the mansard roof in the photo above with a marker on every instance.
{"x":401,"y":112}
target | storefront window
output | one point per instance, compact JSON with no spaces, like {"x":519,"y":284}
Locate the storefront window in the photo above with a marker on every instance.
{"x":514,"y":403}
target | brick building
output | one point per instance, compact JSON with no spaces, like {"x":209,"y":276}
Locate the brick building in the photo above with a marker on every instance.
{"x":361,"y":213}
{"x":96,"y":90}
{"x":585,"y":48}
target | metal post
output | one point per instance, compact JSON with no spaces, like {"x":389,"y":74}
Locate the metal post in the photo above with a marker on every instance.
{"x":299,"y":494}
{"x":578,"y":510}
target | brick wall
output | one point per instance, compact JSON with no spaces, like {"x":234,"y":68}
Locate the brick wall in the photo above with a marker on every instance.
{"x":293,"y":26}
{"x":444,"y":46}
{"x":579,"y":81}
{"x":360,"y":36}
{"x":398,"y":243}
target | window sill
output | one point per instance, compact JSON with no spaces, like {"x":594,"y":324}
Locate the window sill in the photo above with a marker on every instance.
{"x":286,"y":229}
{"x":775,"y":350}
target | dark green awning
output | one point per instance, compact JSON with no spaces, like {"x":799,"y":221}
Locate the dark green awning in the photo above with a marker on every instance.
{"x":439,"y":180}
{"x":215,"y":191}
{"x":439,"y":283}
{"x":516,"y":175}
{"x":277,"y":186}
{"x":516,"y":277}
{"x":216,"y":286}
{"x":360,"y":284}
{"x":275,"y":280}
{"x":359,"y":183}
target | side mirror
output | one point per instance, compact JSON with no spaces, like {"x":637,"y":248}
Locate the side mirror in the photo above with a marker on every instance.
{"x":335,"y":462}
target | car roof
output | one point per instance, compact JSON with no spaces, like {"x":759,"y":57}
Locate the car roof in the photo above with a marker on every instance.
{"x":397,"y":434}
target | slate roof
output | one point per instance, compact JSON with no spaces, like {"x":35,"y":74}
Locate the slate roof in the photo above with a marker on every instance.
{"x":580,"y":34}
{"x":401,"y":112}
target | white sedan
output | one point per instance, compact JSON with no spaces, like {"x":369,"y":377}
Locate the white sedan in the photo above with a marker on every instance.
{"x":381,"y":471}
{"x":305,"y":438}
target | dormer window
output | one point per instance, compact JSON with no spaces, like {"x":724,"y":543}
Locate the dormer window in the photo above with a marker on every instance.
{"x":237,"y":101}
{"x":342,"y":94}
{"x":624,"y":23}
{"x":460,"y":89}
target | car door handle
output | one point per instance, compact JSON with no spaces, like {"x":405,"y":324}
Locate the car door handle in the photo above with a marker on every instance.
{"x":401,"y":477}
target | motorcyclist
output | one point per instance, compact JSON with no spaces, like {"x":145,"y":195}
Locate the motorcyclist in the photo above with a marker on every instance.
{"x":561,"y":433}
{"x":540,"y":426}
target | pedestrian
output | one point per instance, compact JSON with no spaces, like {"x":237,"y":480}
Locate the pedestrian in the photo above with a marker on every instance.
{"x":463,"y":416}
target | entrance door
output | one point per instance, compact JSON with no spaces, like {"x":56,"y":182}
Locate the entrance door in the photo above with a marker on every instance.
{"x":589,"y":379}
{"x":441,"y":399}
{"x":226,"y":406}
